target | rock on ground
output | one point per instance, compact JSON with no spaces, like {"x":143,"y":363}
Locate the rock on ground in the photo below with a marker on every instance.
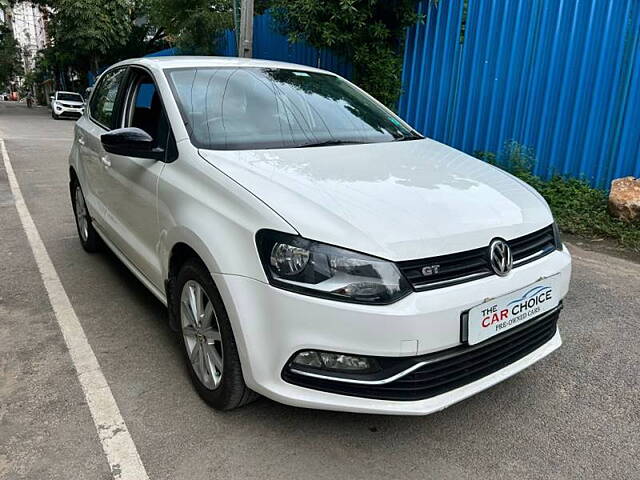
{"x":624,"y":199}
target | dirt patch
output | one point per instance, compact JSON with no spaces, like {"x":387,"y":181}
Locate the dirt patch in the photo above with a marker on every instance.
{"x":602,"y":245}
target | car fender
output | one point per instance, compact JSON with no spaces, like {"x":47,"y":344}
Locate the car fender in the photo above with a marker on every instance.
{"x":183,"y":235}
{"x":186,"y":236}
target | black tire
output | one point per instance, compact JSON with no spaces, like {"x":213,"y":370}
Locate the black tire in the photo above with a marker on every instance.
{"x":90,"y":241}
{"x":231,"y":392}
{"x":54,"y":116}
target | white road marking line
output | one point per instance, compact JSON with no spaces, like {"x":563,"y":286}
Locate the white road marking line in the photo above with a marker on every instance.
{"x":118,"y":446}
{"x":48,"y":139}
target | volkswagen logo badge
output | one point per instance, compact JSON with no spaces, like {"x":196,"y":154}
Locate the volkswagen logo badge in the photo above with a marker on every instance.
{"x":500,"y":257}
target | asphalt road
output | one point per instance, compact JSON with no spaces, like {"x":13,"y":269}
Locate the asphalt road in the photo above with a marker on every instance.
{"x":576,"y":414}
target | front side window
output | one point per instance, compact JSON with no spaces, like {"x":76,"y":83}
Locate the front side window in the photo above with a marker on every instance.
{"x":253,"y":108}
{"x":104,"y":98}
{"x":144,"y":108}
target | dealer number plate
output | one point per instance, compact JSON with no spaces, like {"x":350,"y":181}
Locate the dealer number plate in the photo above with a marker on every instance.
{"x":508,"y":311}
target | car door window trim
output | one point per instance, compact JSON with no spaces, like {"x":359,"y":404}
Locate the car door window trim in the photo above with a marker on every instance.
{"x":127,"y":97}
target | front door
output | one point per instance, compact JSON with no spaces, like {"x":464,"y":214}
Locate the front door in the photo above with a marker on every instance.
{"x":131,"y":182}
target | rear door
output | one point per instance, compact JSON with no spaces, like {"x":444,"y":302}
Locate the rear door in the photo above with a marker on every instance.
{"x":100,"y":119}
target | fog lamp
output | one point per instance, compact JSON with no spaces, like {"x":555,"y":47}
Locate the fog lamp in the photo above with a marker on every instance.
{"x":334,"y":361}
{"x":308,"y":359}
{"x":338,"y":361}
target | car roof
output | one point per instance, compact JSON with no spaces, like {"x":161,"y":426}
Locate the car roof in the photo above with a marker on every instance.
{"x":63,"y":91}
{"x":186,"y":61}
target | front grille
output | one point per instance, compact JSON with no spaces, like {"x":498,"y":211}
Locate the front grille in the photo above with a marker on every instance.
{"x":445,"y":370}
{"x":69,"y":105}
{"x":533,"y":246}
{"x":471,"y":265}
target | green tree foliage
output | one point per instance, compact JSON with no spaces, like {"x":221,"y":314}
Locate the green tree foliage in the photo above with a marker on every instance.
{"x":369,"y":33}
{"x":84,"y":32}
{"x":90,"y":35}
{"x":34,"y":78}
{"x":10,"y":64}
{"x":577,"y":207}
{"x":194,"y":26}
{"x":144,"y":35}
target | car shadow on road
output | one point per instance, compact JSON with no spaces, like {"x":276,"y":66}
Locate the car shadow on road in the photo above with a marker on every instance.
{"x":141,"y":296}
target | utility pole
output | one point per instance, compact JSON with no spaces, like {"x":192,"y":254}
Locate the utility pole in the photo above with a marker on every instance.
{"x":245,"y":45}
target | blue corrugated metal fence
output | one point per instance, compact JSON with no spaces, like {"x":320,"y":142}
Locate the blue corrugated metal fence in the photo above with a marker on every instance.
{"x":268,"y":44}
{"x":561,"y":76}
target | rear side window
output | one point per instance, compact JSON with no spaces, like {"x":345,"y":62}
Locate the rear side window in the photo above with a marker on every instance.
{"x":104,"y":98}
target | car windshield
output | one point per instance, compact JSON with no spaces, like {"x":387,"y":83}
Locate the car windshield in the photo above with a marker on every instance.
{"x":255,"y":108}
{"x":73,"y":97}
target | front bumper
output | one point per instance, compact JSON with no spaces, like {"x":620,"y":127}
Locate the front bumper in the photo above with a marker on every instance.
{"x":270,"y":325}
{"x":68,"y":112}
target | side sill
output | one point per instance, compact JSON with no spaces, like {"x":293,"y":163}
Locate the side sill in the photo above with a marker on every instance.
{"x":137,"y":273}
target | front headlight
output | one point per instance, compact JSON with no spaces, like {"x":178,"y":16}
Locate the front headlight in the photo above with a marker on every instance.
{"x":295,"y":263}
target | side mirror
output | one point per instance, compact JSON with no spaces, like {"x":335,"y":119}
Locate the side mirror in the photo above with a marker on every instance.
{"x":131,"y":142}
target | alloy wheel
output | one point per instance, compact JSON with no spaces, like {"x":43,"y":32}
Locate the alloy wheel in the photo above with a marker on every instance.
{"x":82,"y":216}
{"x":201,"y":333}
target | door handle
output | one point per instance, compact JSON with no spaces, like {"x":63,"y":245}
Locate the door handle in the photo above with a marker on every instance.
{"x":81,"y":141}
{"x":105,"y":161}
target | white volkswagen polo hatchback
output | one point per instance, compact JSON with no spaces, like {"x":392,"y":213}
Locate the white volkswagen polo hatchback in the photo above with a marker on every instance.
{"x":310,"y":245}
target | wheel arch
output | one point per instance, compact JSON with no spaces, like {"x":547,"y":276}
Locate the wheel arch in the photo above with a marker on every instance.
{"x":72,"y":173}
{"x":180,"y":246}
{"x":73,"y":177}
{"x":180,"y":243}
{"x":182,"y":250}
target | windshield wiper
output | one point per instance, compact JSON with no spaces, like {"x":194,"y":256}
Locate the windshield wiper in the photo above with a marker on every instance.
{"x":404,"y":138}
{"x":328,"y":143}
